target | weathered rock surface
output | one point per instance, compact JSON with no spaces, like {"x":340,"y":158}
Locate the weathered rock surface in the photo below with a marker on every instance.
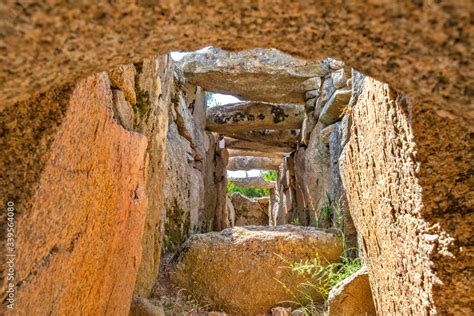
{"x":122,"y":77}
{"x":334,"y":106}
{"x":253,"y":182}
{"x":144,"y":307}
{"x":214,"y":265}
{"x":253,"y":153}
{"x":245,"y":116}
{"x":249,"y":211}
{"x":78,"y":243}
{"x":66,"y":48}
{"x":249,"y":163}
{"x":153,"y":84}
{"x":405,"y":181}
{"x":232,"y":143}
{"x":256,"y":75}
{"x":269,"y":137}
{"x":352,"y":296}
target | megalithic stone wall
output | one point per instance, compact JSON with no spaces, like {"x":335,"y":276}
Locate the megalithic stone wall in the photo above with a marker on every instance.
{"x":407,"y":187}
{"x":79,"y":228}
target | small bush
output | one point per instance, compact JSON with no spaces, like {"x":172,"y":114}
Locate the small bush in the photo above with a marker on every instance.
{"x":318,"y":279}
{"x":251,"y":193}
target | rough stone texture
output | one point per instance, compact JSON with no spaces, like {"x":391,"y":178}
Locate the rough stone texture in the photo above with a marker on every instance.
{"x":422,"y":49}
{"x":407,"y":185}
{"x":183,"y":191}
{"x":154,"y":83}
{"x":282,"y":210}
{"x":123,"y":111}
{"x":195,"y":171}
{"x":144,"y":307}
{"x":214,"y":265}
{"x":253,"y":182}
{"x":245,"y":116}
{"x":230,"y":211}
{"x":79,"y":231}
{"x":232,"y":143}
{"x":269,"y":137}
{"x":341,"y":216}
{"x":334,"y":106}
{"x":313,"y":178}
{"x":253,"y":153}
{"x":249,"y":163}
{"x":281,"y":311}
{"x":352,"y":297}
{"x":249,"y":211}
{"x":255,"y":75}
{"x":123,"y":78}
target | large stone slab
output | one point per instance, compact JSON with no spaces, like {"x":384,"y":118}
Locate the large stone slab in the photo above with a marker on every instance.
{"x":248,"y":116}
{"x":334,"y":107}
{"x":238,"y":269}
{"x":78,"y":243}
{"x":352,"y":297}
{"x":232,"y":143}
{"x":249,"y":163}
{"x":249,"y":211}
{"x":402,"y":173}
{"x":257,"y":74}
{"x":253,"y":182}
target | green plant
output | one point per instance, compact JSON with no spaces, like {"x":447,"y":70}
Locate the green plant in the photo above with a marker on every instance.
{"x":248,"y":192}
{"x":296,"y":221}
{"x":318,"y":278}
{"x":270,"y":175}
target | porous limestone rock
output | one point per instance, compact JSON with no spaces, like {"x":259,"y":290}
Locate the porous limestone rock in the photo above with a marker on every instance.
{"x":352,"y":297}
{"x":404,"y":180}
{"x":256,"y":75}
{"x":249,"y":211}
{"x":250,"y":115}
{"x":428,"y":57}
{"x":215,"y":265}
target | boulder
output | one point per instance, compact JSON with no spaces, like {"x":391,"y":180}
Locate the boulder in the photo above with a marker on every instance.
{"x":333,"y":108}
{"x":144,"y":307}
{"x":281,"y":311}
{"x":250,"y":211}
{"x":240,"y":269}
{"x":352,"y":297}
{"x":251,"y":115}
{"x":258,"y":74}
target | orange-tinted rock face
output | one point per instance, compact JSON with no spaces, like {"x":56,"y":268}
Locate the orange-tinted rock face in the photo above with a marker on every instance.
{"x":408,"y":191}
{"x":78,"y":247}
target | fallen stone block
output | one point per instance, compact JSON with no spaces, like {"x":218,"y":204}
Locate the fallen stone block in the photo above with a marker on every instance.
{"x":332,"y":111}
{"x":240,"y":269}
{"x":352,"y":296}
